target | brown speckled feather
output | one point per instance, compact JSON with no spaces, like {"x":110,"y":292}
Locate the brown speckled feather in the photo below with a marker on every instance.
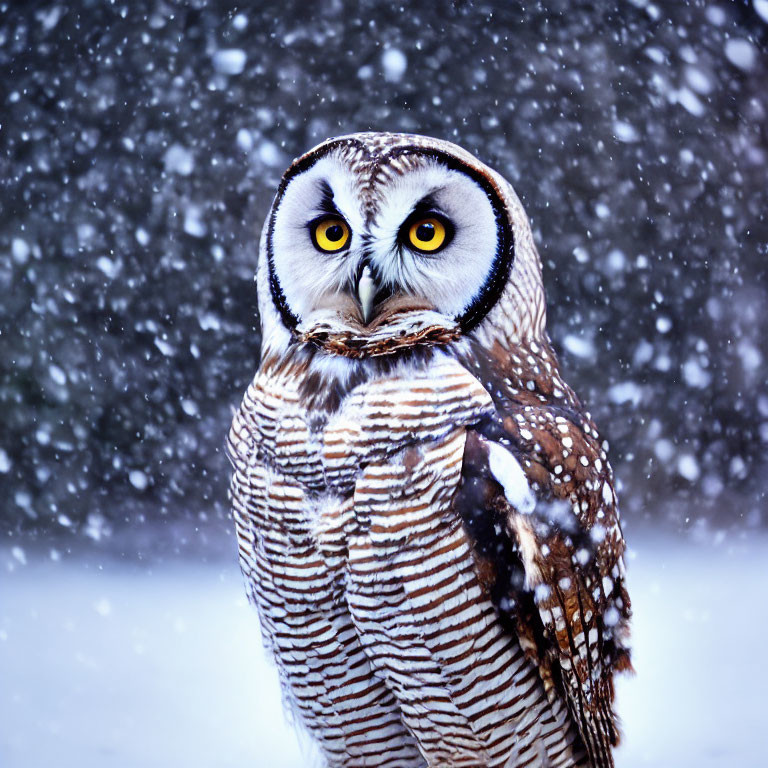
{"x":564,"y":594}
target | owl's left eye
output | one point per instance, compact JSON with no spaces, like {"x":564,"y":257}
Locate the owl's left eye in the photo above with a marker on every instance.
{"x":329,"y":234}
{"x":427,"y":234}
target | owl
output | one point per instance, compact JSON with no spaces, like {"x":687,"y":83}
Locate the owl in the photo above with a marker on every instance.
{"x":425,"y":512}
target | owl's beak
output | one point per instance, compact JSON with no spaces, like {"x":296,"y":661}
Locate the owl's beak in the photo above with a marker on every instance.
{"x":366,"y":293}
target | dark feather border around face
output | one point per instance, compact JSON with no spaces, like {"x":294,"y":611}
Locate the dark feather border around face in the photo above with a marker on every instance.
{"x":505,"y":252}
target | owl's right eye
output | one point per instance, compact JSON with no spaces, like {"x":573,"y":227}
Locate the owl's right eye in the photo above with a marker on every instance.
{"x":329,"y":234}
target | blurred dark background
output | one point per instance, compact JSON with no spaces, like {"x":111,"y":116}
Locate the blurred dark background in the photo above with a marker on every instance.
{"x":140,"y":145}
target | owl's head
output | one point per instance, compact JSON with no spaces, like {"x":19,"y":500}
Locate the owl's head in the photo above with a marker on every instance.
{"x":379,"y":242}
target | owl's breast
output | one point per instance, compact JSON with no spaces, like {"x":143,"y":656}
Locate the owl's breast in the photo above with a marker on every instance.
{"x":307,"y":479}
{"x":319,"y":449}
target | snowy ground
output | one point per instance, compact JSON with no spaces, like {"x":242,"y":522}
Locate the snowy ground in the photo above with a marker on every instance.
{"x":124,"y":666}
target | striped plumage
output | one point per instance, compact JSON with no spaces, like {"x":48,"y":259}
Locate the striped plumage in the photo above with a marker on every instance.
{"x":425,"y":513}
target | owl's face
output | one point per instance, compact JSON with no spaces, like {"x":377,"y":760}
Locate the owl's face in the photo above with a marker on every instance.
{"x":373,"y":225}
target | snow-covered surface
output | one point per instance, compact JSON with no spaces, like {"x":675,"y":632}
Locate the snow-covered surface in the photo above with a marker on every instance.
{"x":698,"y":698}
{"x":115,"y":665}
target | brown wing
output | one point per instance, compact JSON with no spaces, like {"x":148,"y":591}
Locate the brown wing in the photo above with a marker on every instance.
{"x":554,"y":568}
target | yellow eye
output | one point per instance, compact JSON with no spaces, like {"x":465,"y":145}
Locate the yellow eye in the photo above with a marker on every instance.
{"x":330,"y":234}
{"x":427,"y":235}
